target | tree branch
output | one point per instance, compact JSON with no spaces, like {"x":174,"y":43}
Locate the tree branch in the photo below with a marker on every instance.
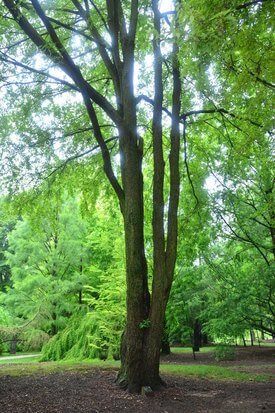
{"x":108,"y":169}
{"x":221,"y":111}
{"x":133,"y":25}
{"x":197,"y":112}
{"x":101,"y":44}
{"x":247,"y":240}
{"x":61,"y":57}
{"x":174,"y":164}
{"x":263,"y":81}
{"x":68,"y":27}
{"x":79,"y":155}
{"x":249,"y":3}
{"x":10,"y":60}
{"x":187,"y":165}
{"x":158,"y":160}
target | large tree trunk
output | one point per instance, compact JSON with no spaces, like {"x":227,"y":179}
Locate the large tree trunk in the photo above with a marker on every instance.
{"x":141,"y":343}
{"x":153,"y":344}
{"x":145,"y":320}
{"x":138,"y":298}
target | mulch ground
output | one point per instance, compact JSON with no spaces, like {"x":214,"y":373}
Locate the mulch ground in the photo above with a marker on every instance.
{"x":94,"y":391}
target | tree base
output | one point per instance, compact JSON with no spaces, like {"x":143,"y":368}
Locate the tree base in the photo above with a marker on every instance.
{"x":155,"y":384}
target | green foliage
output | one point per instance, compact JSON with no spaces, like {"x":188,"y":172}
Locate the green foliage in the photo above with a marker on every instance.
{"x":107,"y":302}
{"x":6,"y":329}
{"x":187,"y":301}
{"x":72,"y":342}
{"x":33,"y":339}
{"x":5,"y":318}
{"x":49,"y":261}
{"x":145,"y":323}
{"x":241,"y":293}
{"x":6,"y":225}
{"x":96,"y":332}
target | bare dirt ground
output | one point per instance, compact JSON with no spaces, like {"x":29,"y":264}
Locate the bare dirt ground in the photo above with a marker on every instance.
{"x":94,"y":391}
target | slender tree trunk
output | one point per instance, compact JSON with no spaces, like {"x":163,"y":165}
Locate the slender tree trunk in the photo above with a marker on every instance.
{"x":197,"y":336}
{"x":165,"y":345}
{"x":13,"y":345}
{"x":205,"y":338}
{"x":269,"y":195}
{"x":164,"y":248}
{"x":252,"y":337}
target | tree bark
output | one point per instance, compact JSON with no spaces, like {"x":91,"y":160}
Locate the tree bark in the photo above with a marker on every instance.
{"x":165,"y":345}
{"x":13,"y":345}
{"x":138,"y":297}
{"x":252,"y":337}
{"x":197,"y":336}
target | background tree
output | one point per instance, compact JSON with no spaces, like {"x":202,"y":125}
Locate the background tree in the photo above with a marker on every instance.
{"x":49,"y":261}
{"x":95,"y":330}
{"x":6,"y":225}
{"x":241,"y":296}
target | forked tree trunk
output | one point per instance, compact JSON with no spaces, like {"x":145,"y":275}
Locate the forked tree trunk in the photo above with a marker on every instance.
{"x":141,"y":344}
{"x":145,"y":317}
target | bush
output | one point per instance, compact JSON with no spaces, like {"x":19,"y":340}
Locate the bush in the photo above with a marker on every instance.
{"x":224,"y":352}
{"x":72,"y":342}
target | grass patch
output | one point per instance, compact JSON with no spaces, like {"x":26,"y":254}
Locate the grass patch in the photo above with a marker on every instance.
{"x":262,"y":344}
{"x":27,"y":367}
{"x":212,"y":372}
{"x":31,"y":366}
{"x":20,"y":360}
{"x":180,"y":350}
